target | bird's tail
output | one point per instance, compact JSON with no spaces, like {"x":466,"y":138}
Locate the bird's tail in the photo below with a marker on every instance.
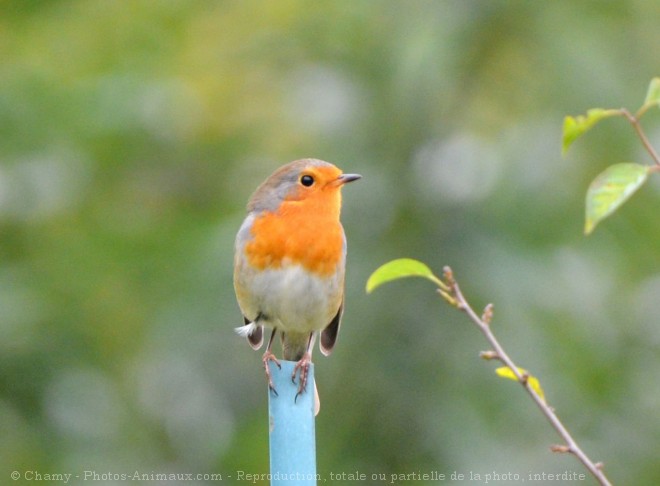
{"x":295,"y":344}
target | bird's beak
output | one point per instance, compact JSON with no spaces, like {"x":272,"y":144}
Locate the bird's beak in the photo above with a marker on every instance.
{"x":345,"y":178}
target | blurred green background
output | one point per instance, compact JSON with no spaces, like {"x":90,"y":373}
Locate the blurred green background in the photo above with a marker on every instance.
{"x":133,"y":133}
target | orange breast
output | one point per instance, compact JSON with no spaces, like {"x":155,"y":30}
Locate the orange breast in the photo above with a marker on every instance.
{"x":305,"y":232}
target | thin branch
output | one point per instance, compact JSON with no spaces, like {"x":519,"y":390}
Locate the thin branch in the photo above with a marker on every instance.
{"x":634,"y":121}
{"x":498,"y":353}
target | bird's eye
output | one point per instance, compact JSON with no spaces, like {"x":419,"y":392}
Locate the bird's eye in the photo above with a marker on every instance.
{"x":307,"y":180}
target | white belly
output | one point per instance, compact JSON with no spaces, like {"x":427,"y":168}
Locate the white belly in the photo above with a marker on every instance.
{"x":291,"y":299}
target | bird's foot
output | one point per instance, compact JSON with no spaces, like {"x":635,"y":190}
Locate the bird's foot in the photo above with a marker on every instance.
{"x":302,"y":366}
{"x":268,"y":356}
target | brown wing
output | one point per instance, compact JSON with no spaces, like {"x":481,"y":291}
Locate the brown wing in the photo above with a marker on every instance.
{"x":329,"y":334}
{"x":256,"y":339}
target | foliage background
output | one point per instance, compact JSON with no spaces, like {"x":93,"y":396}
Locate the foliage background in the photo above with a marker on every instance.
{"x":131,"y":135}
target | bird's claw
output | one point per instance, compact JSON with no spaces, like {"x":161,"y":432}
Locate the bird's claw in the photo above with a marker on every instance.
{"x":268,"y":356}
{"x":302,"y":366}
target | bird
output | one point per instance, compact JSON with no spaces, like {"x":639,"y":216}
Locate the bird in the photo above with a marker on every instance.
{"x":289,"y":264}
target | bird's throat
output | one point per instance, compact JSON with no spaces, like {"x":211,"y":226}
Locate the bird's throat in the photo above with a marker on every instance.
{"x":306,"y":233}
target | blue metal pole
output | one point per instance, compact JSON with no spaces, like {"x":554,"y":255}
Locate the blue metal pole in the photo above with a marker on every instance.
{"x":291,"y":427}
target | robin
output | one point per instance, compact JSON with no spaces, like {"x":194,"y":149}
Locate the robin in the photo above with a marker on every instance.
{"x":289,"y":263}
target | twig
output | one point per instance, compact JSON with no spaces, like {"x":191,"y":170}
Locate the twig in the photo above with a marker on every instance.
{"x":457,"y":299}
{"x":634,"y":121}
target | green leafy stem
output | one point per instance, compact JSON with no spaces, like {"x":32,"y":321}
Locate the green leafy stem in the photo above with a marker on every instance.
{"x":448,"y":288}
{"x":614,"y":186}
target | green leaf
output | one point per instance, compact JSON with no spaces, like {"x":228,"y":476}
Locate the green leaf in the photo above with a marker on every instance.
{"x":401,"y":268}
{"x":653,"y":94}
{"x":574,"y":127}
{"x":506,"y":372}
{"x":611,"y":189}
